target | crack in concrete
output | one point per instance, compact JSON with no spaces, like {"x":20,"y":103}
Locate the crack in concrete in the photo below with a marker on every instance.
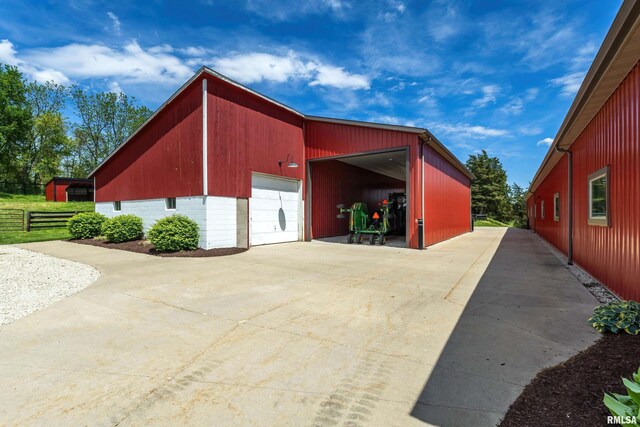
{"x":177,"y":307}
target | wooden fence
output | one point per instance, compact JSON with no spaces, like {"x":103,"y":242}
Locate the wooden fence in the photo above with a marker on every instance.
{"x":11,"y":220}
{"x":40,"y":220}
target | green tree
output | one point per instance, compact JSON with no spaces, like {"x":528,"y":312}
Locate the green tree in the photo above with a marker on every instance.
{"x":15,"y":124}
{"x":489,"y":189}
{"x":518,"y":205}
{"x":105,"y":121}
{"x":39,"y":155}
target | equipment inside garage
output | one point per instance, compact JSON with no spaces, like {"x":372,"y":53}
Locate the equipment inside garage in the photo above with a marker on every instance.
{"x":362,"y":198}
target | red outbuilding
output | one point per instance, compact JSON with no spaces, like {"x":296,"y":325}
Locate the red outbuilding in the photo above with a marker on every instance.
{"x":585,"y":197}
{"x":69,"y":190}
{"x":252,"y":171}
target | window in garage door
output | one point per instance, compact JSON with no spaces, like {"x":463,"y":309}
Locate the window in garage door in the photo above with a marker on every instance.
{"x":275,"y":212}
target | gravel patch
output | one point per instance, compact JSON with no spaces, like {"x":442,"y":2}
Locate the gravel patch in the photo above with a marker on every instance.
{"x":31,"y":281}
{"x":597,"y":289}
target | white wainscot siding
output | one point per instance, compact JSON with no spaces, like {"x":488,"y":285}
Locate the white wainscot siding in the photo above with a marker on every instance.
{"x":222,"y":223}
{"x":151,"y":210}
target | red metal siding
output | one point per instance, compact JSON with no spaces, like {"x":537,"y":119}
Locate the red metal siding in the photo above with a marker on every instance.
{"x":555,"y":232}
{"x":610,"y":254}
{"x":163,"y":160}
{"x":60,"y":189}
{"x":531,"y":209}
{"x":334,"y":182}
{"x":48,"y":192}
{"x":447,"y":201}
{"x":332,"y":139}
{"x":248,"y":134}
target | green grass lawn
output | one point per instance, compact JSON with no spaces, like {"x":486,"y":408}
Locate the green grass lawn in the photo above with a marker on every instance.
{"x":489,"y":223}
{"x":37,"y":203}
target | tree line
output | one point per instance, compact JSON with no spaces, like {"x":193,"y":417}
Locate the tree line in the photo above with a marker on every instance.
{"x":48,"y":130}
{"x":492,"y":195}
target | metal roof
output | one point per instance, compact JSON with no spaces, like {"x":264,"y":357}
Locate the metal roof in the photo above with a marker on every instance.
{"x":440,"y":148}
{"x":423,"y":133}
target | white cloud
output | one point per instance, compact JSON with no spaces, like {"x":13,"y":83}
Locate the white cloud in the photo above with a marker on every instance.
{"x":43,"y":76}
{"x":256,"y":67}
{"x":428,"y":99}
{"x":114,"y":87}
{"x":543,"y":38}
{"x":569,"y":83}
{"x":546,"y":141}
{"x":392,"y":120}
{"x":284,"y":10}
{"x":514,"y":107}
{"x":468,"y":131}
{"x":444,"y":21}
{"x":328,"y":75}
{"x":130,"y":63}
{"x":531,"y":94}
{"x":530,"y":130}
{"x":7,"y":53}
{"x":115,"y":22}
{"x":489,"y":95}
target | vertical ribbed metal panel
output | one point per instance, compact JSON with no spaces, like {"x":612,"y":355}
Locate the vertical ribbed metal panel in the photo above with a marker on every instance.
{"x":48,"y":191}
{"x":334,"y":139}
{"x":334,"y":183}
{"x":611,"y":254}
{"x":164,"y":159}
{"x":555,"y":232}
{"x":447,"y":201}
{"x":248,"y":134}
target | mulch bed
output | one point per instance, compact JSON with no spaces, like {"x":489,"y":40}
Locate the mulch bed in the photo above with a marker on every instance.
{"x":570,"y":394}
{"x":144,"y":247}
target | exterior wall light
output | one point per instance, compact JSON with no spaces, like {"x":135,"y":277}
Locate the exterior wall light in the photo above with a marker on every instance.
{"x":291,"y":164}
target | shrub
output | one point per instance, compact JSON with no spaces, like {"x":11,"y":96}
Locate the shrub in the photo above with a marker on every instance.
{"x":86,"y":225}
{"x":617,"y":316}
{"x":626,"y":406}
{"x":122,"y":228}
{"x":174,"y":233}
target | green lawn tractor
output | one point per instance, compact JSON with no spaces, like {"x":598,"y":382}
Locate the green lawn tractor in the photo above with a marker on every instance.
{"x":361,"y":226}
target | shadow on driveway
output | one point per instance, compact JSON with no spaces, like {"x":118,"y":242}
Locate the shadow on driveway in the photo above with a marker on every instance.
{"x":526,"y":313}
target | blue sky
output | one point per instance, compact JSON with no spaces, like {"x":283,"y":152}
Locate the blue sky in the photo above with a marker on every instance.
{"x":494,"y":75}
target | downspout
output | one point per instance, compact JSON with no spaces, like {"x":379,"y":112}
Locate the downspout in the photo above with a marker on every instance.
{"x":205,"y":172}
{"x":421,"y":226}
{"x":570,"y":197}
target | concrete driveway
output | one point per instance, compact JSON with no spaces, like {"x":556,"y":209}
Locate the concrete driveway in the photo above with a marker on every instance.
{"x":296,"y":334}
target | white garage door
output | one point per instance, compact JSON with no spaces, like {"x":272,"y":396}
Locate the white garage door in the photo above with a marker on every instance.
{"x":274,"y":210}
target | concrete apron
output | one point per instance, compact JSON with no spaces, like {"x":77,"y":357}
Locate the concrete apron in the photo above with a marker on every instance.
{"x":297,"y":334}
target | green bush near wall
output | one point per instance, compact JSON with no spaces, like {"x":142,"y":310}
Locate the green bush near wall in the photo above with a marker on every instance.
{"x":122,"y":228}
{"x":617,"y":316}
{"x":86,"y":225}
{"x":174,"y":233}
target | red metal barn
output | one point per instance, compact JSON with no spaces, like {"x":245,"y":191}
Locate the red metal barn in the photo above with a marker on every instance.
{"x":69,"y":190}
{"x":253,"y":171}
{"x":592,"y":171}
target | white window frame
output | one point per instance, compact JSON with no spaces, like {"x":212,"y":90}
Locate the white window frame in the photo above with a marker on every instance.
{"x":556,"y":207}
{"x":599,"y":221}
{"x":167,"y":204}
{"x":117,"y":206}
{"x":541,"y":209}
